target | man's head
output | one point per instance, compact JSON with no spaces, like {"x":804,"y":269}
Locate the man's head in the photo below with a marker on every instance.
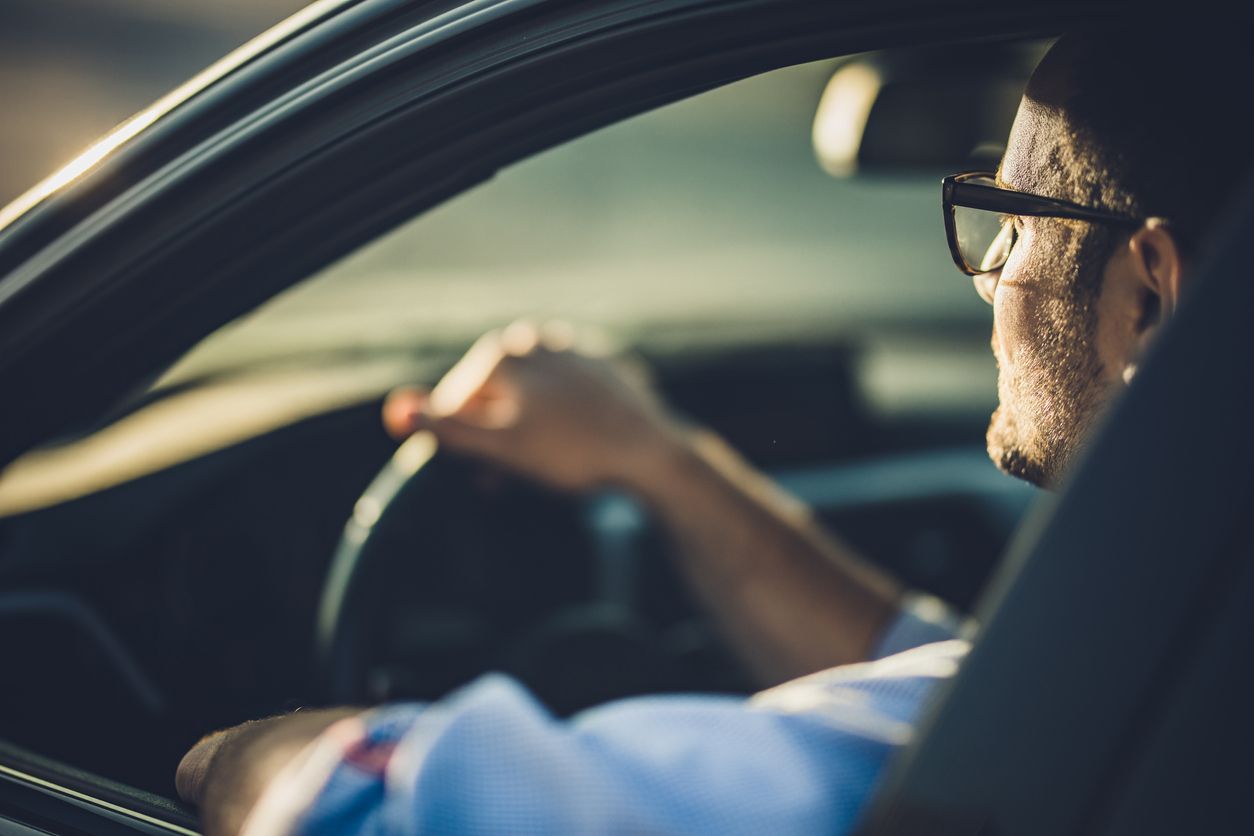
{"x":1129,"y":122}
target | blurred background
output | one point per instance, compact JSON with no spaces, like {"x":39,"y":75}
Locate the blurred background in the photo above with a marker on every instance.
{"x":70,"y":70}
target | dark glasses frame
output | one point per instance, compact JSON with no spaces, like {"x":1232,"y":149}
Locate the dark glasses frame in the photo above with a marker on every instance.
{"x":956,"y":191}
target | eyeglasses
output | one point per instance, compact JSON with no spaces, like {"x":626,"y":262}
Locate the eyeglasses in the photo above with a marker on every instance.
{"x":979,"y":218}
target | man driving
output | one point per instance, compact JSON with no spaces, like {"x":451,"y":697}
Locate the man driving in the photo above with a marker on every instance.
{"x":1083,"y":242}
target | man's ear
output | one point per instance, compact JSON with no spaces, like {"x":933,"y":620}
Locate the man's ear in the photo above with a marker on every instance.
{"x":1158,"y":268}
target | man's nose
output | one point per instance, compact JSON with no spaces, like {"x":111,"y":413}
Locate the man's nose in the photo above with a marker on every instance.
{"x":986,"y":284}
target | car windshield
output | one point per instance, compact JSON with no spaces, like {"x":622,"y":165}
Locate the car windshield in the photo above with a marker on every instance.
{"x":707,"y":223}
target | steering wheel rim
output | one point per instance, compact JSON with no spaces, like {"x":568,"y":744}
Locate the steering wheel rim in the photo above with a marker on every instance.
{"x":338,"y":639}
{"x":579,"y":619}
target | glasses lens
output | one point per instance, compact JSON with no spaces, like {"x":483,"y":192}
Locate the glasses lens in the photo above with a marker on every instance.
{"x":984,"y":237}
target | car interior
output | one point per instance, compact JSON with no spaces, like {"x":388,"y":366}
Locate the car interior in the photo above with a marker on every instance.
{"x":175,"y":555}
{"x":787,"y":285}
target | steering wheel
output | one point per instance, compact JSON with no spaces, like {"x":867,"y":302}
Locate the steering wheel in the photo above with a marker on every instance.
{"x":479,"y":575}
{"x":341,"y":629}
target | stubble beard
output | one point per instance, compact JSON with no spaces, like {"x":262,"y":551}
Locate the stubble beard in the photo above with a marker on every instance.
{"x":1037,"y":431}
{"x":1056,"y":393}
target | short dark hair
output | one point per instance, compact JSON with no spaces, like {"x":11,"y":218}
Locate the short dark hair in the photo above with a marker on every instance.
{"x":1152,"y":114}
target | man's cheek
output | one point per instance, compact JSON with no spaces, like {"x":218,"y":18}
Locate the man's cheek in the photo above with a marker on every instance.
{"x":1008,"y":323}
{"x":1019,"y":322}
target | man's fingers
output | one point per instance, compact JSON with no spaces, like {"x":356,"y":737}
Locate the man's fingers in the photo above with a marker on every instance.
{"x":477,"y":427}
{"x":402,"y":411}
{"x":485,"y":437}
{"x":468,"y":377}
{"x":483,"y":395}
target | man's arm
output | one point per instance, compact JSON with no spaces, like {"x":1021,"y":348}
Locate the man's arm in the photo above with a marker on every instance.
{"x":227,"y":771}
{"x":791,"y":599}
{"x":802,"y":758}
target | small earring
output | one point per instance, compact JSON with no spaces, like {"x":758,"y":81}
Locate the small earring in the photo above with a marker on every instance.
{"x":1129,"y":372}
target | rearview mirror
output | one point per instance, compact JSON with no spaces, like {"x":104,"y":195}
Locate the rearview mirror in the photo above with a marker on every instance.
{"x":921,"y":109}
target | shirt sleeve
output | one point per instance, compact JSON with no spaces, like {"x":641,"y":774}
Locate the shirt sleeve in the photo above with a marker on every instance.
{"x":922,"y":619}
{"x":798,"y":759}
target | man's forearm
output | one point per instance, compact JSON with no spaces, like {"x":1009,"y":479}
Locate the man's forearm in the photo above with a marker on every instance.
{"x":226,"y":772}
{"x":788,"y":596}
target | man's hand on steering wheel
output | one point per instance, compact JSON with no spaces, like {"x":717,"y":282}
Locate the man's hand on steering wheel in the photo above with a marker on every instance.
{"x":526,"y":398}
{"x":790,"y":597}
